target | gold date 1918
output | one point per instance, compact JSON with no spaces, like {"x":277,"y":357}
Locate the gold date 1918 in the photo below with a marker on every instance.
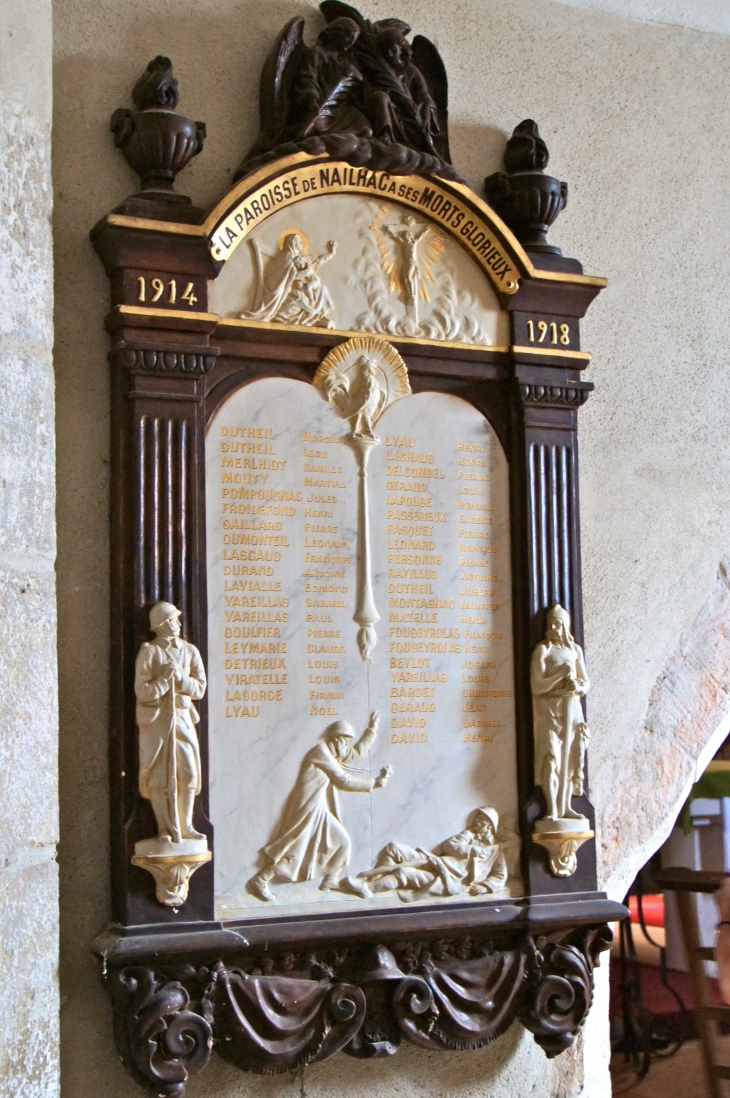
{"x":538,"y":333}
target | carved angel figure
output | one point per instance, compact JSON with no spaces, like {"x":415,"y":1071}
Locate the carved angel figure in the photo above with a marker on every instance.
{"x":327,"y":86}
{"x":360,"y":78}
{"x":290,"y":290}
{"x":362,"y":402}
{"x":403,"y":83}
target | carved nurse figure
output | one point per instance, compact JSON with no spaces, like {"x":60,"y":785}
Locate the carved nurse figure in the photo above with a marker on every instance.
{"x":169,"y":678}
{"x":558,"y":681}
{"x":311,"y":840}
{"x":290,"y":289}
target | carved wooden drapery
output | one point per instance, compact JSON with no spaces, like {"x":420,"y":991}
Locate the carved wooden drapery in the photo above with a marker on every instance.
{"x":302,"y":1008}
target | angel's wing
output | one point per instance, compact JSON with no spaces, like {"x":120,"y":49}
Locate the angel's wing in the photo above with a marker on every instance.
{"x":273,"y":99}
{"x":383,"y":400}
{"x":427,"y":59}
{"x":337,"y":390}
{"x":336,"y":9}
{"x":432,"y":249}
{"x":386,"y":247}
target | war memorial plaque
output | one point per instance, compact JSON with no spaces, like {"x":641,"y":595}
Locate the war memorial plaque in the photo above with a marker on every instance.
{"x":284,"y":661}
{"x":348,"y":726}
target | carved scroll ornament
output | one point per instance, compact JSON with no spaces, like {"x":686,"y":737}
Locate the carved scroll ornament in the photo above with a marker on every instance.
{"x":559,"y":988}
{"x":275,"y":1014}
{"x":158,"y":1037}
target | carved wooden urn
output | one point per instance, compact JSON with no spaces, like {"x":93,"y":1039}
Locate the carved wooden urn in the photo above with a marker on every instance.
{"x":156,"y":141}
{"x":525,"y":197}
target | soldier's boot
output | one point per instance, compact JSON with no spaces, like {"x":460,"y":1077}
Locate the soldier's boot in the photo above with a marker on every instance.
{"x":158,"y":800}
{"x":329,"y":882}
{"x":186,"y":799}
{"x":258,"y":886}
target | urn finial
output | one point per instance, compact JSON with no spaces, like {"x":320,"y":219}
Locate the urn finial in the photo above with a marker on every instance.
{"x":525,"y":197}
{"x":157,"y":143}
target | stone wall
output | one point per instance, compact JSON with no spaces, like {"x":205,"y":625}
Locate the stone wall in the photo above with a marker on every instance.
{"x":28,"y":699}
{"x":634,"y":121}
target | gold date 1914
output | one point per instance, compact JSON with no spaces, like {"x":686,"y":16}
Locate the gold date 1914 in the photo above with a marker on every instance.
{"x":153,"y":290}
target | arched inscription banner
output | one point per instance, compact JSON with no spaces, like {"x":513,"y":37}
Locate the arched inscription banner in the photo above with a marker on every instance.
{"x":284,"y":660}
{"x":433,"y":197}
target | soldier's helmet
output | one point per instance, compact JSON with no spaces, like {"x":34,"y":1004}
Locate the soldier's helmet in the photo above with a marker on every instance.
{"x":491,"y":814}
{"x":338,"y":728}
{"x":162,"y":612}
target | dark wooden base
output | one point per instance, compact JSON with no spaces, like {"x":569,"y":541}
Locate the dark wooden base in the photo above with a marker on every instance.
{"x":270,"y":1010}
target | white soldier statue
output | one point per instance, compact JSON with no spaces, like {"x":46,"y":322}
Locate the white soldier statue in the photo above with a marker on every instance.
{"x":169,"y":679}
{"x":311,"y":840}
{"x":558,"y":681}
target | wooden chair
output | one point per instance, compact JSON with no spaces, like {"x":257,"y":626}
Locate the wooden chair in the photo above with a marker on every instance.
{"x":683,"y":882}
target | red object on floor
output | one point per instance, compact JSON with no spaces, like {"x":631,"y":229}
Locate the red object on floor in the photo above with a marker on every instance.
{"x":652,"y":906}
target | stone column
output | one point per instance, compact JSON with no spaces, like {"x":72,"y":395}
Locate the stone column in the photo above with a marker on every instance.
{"x":28,"y":679}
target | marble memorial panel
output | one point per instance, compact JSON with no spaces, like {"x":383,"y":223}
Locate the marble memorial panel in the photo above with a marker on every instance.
{"x":284,"y":662}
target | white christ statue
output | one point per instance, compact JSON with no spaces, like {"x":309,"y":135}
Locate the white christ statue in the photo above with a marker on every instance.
{"x":558,"y":681}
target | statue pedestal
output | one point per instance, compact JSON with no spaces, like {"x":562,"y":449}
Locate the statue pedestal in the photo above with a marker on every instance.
{"x":172,"y":865}
{"x":562,"y":838}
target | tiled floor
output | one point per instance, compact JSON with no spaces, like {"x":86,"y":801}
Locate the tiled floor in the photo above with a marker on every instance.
{"x":678,"y":1076}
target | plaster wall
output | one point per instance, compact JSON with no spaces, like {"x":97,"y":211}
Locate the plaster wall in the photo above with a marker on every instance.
{"x":635,"y":121}
{"x":28,"y":701}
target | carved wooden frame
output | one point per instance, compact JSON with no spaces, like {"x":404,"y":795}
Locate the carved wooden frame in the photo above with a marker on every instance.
{"x":451,"y":976}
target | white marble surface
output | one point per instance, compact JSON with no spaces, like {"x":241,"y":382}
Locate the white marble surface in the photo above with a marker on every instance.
{"x":447,"y":759}
{"x":462,"y":306}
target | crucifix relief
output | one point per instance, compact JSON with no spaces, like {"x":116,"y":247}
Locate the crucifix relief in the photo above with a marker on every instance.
{"x":409,"y":251}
